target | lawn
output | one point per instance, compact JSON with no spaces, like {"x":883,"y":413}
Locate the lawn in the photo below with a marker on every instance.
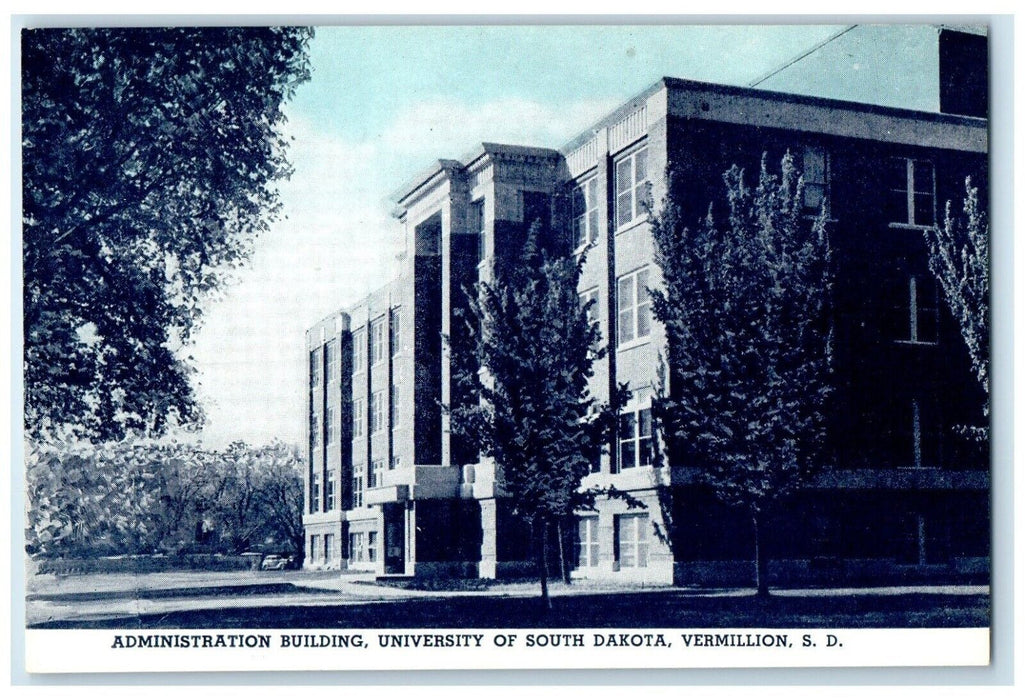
{"x":663,"y":608}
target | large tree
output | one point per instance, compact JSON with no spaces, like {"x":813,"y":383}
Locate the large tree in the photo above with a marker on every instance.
{"x":535,"y":416}
{"x":959,"y":258}
{"x":746,"y":311}
{"x":149,"y":165}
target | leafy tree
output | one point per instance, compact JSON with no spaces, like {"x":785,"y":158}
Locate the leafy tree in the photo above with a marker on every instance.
{"x":959,"y":259}
{"x":149,"y":159}
{"x":746,"y":312}
{"x":142,"y":497}
{"x":280,"y":496}
{"x":535,"y":416}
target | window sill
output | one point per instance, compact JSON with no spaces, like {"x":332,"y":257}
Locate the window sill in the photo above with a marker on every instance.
{"x":910,"y":227}
{"x":635,"y":343}
{"x":920,"y":343}
{"x":631,"y":225}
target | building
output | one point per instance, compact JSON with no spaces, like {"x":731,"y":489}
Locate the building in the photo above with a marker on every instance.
{"x":390,"y":490}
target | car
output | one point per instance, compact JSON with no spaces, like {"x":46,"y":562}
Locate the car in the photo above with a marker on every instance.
{"x":277,"y":562}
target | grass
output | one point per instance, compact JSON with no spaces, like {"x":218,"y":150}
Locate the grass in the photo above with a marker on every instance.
{"x":665,"y":608}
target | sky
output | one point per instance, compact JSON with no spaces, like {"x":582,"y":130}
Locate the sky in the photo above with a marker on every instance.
{"x":382,"y":104}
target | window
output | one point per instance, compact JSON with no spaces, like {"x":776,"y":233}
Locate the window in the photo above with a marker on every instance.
{"x":371,"y":546}
{"x":330,"y":426}
{"x":315,"y":368}
{"x":357,"y":487}
{"x":329,"y":548}
{"x":331,"y":361}
{"x":585,"y":214}
{"x":912,"y":194}
{"x":315,"y":493}
{"x":314,"y":430}
{"x":635,"y":445}
{"x":587,"y":542}
{"x":922,"y":311}
{"x":356,"y":552}
{"x":315,"y":547}
{"x":590,"y":297}
{"x":631,"y":541}
{"x":632,"y":187}
{"x":395,"y":333}
{"x":376,"y":473}
{"x":395,"y":462}
{"x":376,"y":412}
{"x":634,"y":306}
{"x":332,"y":496}
{"x":357,"y":418}
{"x":376,"y":341}
{"x":393,"y":405}
{"x":479,"y":228}
{"x":815,"y":171}
{"x":359,"y":356}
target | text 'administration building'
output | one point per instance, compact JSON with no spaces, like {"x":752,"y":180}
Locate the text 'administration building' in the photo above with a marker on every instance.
{"x":390,"y":490}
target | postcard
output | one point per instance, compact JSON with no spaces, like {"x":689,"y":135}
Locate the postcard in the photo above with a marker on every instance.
{"x":506,"y":347}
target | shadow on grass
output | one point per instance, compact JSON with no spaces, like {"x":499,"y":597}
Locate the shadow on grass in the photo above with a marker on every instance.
{"x":657,"y":609}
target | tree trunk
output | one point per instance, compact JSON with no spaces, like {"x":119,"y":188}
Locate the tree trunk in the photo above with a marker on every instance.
{"x":542,"y":565}
{"x":761,"y":560}
{"x":562,"y":554}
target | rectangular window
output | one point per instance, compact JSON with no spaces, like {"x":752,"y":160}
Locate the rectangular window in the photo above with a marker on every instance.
{"x":393,"y":405}
{"x":315,"y":548}
{"x":376,"y":412}
{"x":816,"y":178}
{"x":395,"y":332}
{"x":359,"y":355}
{"x":635,"y":445}
{"x":633,"y":306}
{"x":479,"y":228}
{"x":332,"y":495}
{"x":314,"y":430}
{"x":585,"y":214}
{"x":376,"y":342}
{"x":331,"y":361}
{"x":315,"y":493}
{"x":356,"y":552}
{"x":632,"y":187}
{"x":358,"y":418}
{"x":587,"y":542}
{"x":590,"y":297}
{"x":631,"y":541}
{"x":331,"y":426}
{"x":922,"y":311}
{"x":315,"y":368}
{"x":329,"y":548}
{"x":912,"y":193}
{"x":371,"y":546}
{"x":376,"y":473}
{"x":356,"y":499}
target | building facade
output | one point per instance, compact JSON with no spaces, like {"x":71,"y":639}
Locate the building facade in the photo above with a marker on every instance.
{"x":391,"y":490}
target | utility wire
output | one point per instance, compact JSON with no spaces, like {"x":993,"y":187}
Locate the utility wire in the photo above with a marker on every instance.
{"x":801,"y":56}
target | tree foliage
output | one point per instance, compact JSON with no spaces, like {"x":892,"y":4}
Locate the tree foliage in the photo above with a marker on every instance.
{"x":145,"y":497}
{"x":959,"y":259}
{"x":149,"y":160}
{"x":529,"y":366}
{"x":746,"y":311}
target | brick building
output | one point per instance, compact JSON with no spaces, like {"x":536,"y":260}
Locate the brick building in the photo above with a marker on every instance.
{"x":390,"y":490}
